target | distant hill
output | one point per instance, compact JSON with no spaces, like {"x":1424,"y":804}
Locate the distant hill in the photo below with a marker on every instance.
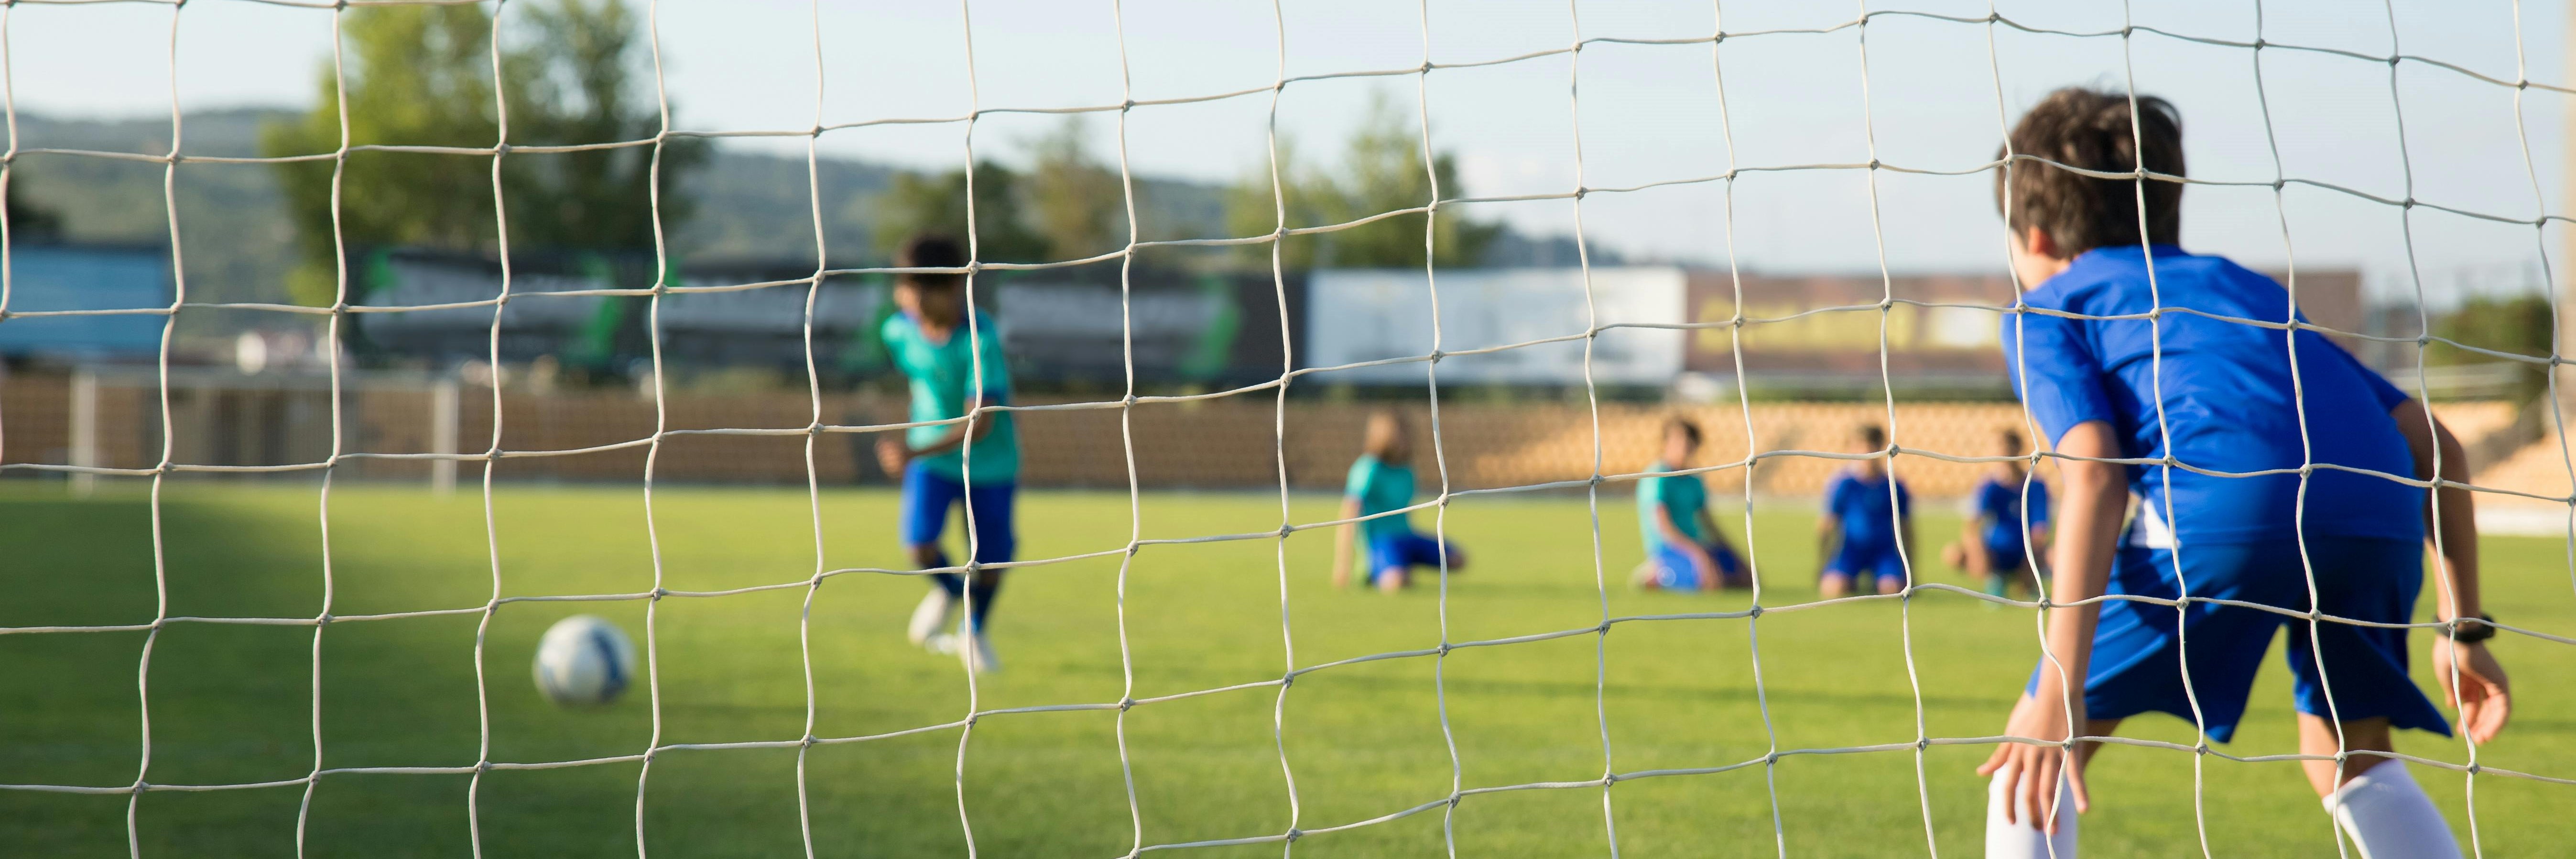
{"x":751,"y":206}
{"x":239,"y":245}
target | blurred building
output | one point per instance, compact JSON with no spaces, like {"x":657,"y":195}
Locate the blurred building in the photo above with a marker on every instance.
{"x":50,"y":278}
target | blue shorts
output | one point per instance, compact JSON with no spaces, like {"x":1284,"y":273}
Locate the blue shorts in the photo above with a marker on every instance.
{"x":1675,"y":572}
{"x":2004,"y":559}
{"x":1409,"y":549}
{"x":2137,"y":652}
{"x":1863,"y":563}
{"x":928,"y":497}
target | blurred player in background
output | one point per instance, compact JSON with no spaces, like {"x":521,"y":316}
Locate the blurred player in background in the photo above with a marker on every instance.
{"x":1684,"y":549}
{"x":2124,"y":376}
{"x":1382,"y":480}
{"x":1996,"y":544}
{"x":1868,"y":522}
{"x":954,"y":369}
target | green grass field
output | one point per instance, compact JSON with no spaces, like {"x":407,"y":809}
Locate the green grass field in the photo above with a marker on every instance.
{"x":232,"y":703}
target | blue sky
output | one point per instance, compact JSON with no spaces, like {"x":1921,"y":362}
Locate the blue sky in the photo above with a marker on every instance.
{"x":1647,"y":113}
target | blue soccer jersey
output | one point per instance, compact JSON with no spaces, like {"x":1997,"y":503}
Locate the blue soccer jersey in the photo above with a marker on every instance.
{"x":2000,"y":504}
{"x":2229,"y":404}
{"x":946,"y":376}
{"x":1867,"y":515}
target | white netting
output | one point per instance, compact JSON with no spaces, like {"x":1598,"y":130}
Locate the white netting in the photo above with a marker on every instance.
{"x":818,"y":427}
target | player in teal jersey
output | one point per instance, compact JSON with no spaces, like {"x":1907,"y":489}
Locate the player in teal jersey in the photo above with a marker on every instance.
{"x":953,"y":357}
{"x":1382,"y":481}
{"x":1684,"y":549}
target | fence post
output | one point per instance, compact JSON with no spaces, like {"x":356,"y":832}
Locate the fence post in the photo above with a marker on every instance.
{"x":84,"y":431}
{"x":442,"y":436}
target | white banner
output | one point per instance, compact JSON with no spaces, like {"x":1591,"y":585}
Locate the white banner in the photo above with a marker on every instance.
{"x":1358,"y":315}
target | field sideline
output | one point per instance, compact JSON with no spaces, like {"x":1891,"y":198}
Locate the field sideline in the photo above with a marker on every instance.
{"x":231,"y":703}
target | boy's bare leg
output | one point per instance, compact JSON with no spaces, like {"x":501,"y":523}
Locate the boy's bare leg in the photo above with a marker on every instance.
{"x":1833,"y":585}
{"x":1391,"y":579}
{"x":2317,"y":737}
{"x":2376,"y":800}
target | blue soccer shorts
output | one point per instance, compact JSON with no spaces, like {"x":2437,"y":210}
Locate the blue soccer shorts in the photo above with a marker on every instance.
{"x":928,"y":497}
{"x":1675,"y":572}
{"x":2004,"y":559}
{"x":1408,"y":549}
{"x":1866,"y":563}
{"x":2137,"y":662}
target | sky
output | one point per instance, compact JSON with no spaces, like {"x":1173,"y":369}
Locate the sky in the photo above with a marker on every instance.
{"x":1908,"y":91}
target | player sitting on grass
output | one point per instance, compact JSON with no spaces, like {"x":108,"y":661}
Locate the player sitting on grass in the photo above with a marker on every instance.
{"x":976,"y":462}
{"x":1684,"y":549}
{"x":1865,"y":525}
{"x":2133,"y":378}
{"x":1382,"y":480}
{"x":1995,"y":544}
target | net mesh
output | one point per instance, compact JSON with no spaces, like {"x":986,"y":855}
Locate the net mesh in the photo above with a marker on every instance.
{"x":481,"y":464}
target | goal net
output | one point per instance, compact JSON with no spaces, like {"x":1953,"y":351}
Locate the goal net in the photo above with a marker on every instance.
{"x":1546,"y":382}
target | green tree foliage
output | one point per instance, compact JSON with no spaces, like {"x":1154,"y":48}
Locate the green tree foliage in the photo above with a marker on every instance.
{"x":1381,"y":171}
{"x":1075,"y":203}
{"x":936,"y":203}
{"x":423,"y":76}
{"x":576,"y":82}
{"x":2518,"y":324}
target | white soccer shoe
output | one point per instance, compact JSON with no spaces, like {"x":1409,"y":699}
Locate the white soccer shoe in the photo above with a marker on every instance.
{"x":980,"y":655}
{"x":931,"y":618}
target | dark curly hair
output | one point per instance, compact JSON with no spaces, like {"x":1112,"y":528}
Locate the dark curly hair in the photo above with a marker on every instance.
{"x":2091,"y":129}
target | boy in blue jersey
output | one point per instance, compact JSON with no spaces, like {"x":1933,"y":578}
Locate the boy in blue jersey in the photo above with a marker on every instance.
{"x":1684,"y":549}
{"x":2327,"y":513}
{"x":1997,"y":544}
{"x":953,"y":358}
{"x":1867,"y":531}
{"x":1382,"y":480}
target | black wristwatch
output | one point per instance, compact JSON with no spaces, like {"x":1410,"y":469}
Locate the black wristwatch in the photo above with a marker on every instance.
{"x":2481,"y":629}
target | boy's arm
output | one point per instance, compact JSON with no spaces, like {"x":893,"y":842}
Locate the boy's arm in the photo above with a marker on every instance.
{"x":1708,"y":525}
{"x":1342,"y":535}
{"x":979,"y":425}
{"x":2482,"y":692}
{"x":1972,"y":542}
{"x":2096,"y":497}
{"x":1674,"y":537}
{"x":1829,"y":534}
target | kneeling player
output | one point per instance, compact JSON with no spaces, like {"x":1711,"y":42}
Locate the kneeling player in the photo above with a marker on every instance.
{"x":1996,"y":544}
{"x":2124,"y":376}
{"x":1382,"y":481}
{"x":974,"y":463}
{"x":1684,"y":549}
{"x":1867,"y":530}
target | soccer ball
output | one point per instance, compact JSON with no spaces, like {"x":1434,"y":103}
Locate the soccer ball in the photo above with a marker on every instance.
{"x":584,"y":661}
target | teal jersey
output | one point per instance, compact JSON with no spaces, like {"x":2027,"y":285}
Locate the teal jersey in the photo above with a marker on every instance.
{"x":1682,"y":495}
{"x":1380,"y":487}
{"x":943,"y":378}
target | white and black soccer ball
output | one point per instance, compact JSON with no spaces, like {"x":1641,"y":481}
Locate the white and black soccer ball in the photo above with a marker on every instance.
{"x":584,"y":661}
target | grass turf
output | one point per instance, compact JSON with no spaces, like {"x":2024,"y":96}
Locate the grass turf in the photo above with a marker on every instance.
{"x":233,"y":704}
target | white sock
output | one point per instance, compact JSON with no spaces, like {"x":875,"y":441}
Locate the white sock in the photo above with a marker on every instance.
{"x":2024,"y":839}
{"x":2389,"y":817}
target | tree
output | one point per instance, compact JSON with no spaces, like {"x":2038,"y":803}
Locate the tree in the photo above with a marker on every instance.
{"x":1382,"y":171}
{"x":920,"y":203}
{"x":2518,"y":324}
{"x":574,"y":83}
{"x":422,"y":76}
{"x":1075,"y":204}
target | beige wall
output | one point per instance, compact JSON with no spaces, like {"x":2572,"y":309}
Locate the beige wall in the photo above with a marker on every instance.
{"x":1229,"y":443}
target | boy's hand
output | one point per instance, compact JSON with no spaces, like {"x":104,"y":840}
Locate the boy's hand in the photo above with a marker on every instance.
{"x":2030,"y":772}
{"x":893,"y":455}
{"x":1706,"y":567}
{"x":2484,"y":695}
